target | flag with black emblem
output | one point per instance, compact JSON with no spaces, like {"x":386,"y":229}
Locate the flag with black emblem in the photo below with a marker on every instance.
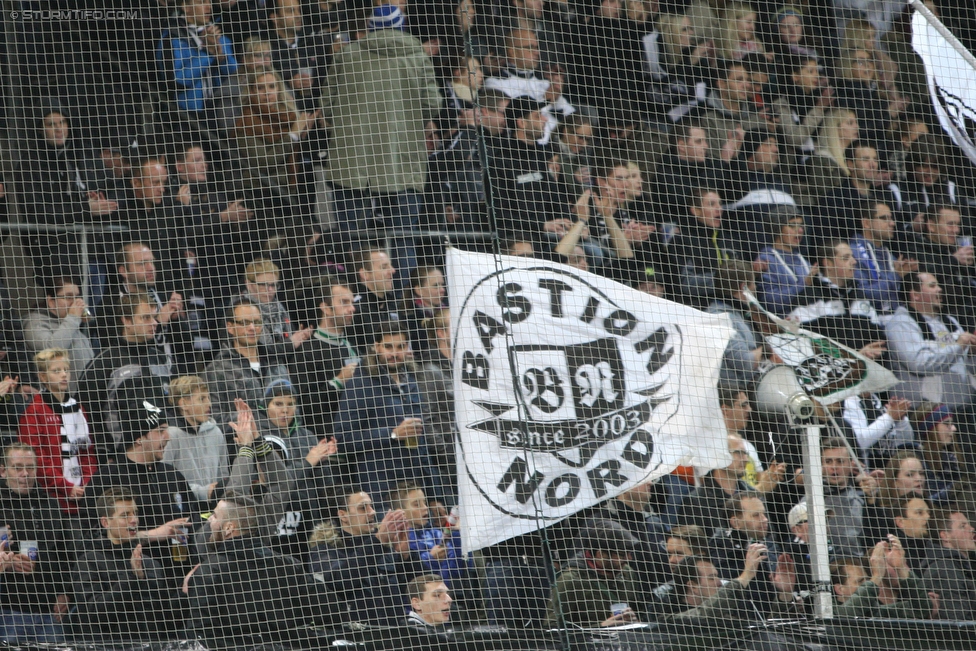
{"x":570,"y":389}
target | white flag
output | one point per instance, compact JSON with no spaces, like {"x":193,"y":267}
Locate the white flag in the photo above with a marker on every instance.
{"x":951,"y":73}
{"x":570,"y":389}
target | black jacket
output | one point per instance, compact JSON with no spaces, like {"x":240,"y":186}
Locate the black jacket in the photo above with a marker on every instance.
{"x":245,"y":594}
{"x":113,"y":603}
{"x":522,"y":191}
{"x":313,"y":370}
{"x":953,"y":575}
{"x":366,"y":577}
{"x":371,"y":311}
{"x":36,"y":517}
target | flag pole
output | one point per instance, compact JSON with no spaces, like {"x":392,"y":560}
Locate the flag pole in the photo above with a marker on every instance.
{"x":940,"y":27}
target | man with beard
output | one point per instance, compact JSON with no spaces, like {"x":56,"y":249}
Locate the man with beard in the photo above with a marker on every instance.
{"x":327,"y":360}
{"x":117,"y":588}
{"x":244,"y":593}
{"x":380,"y":418}
{"x":847,"y":501}
{"x":364,"y":565}
{"x":879,"y":272}
{"x":929,"y":349}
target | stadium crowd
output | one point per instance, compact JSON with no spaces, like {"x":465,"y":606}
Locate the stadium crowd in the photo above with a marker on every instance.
{"x":244,"y":423}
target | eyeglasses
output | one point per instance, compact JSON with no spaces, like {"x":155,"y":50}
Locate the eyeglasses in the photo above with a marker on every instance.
{"x":266,"y":285}
{"x":248,"y":322}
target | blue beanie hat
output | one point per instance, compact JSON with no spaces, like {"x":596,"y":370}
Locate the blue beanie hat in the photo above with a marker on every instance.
{"x":386,"y":17}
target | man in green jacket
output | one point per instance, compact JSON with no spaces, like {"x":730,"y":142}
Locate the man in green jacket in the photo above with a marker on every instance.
{"x":893,"y":591}
{"x":379,"y":99}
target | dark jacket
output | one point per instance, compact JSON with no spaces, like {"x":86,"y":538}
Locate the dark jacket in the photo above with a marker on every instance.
{"x":314,"y":369}
{"x":953,"y":575}
{"x":522,"y":191}
{"x":583,"y":596}
{"x":371,"y":407}
{"x":230,"y":376}
{"x":728,"y":552}
{"x":705,"y":506}
{"x":365,"y":577}
{"x":245,"y":594}
{"x":913,"y":602}
{"x":106,"y":382}
{"x":113,"y":603}
{"x":842,"y":314}
{"x":36,"y":517}
{"x":371,"y":311}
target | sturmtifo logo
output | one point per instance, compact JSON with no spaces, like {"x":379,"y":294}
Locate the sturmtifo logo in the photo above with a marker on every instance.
{"x":561,"y":391}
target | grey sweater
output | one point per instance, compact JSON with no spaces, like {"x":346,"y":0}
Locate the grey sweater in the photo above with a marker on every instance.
{"x":41,"y":330}
{"x":201,"y":456}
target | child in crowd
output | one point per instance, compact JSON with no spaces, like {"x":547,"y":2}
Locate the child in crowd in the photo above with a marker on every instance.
{"x":197,"y":447}
{"x":55,"y":425}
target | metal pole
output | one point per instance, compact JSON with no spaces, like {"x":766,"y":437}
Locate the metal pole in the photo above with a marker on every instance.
{"x":83,"y":238}
{"x":823,"y":606}
{"x":933,"y":20}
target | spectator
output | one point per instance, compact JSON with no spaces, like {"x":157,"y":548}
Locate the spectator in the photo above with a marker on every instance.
{"x":55,"y":426}
{"x":930,"y":350}
{"x":908,"y":129}
{"x":243,"y":592}
{"x":197,"y":447}
{"x":50,"y":182}
{"x":269,"y":134}
{"x":772,"y":590}
{"x":911,"y":519}
{"x":121,"y":592}
{"x":940,"y":252}
{"x":950,"y":572}
{"x":729,"y":115}
{"x":195,"y":57}
{"x":438,"y":549}
{"x":686,"y":168}
{"x":161,"y":493}
{"x":245,"y":367}
{"x":435,"y":379}
{"x":790,"y":40}
{"x":702,"y":248}
{"x":376,"y":299}
{"x":598,"y":587}
{"x":858,"y":90}
{"x":685,"y":58}
{"x":425,"y":296}
{"x":574,"y":142}
{"x":138,"y":274}
{"x":380,"y":423}
{"x":928,"y":184}
{"x":328,"y":359}
{"x":879,"y":428}
{"x":229,"y":98}
{"x":801,"y":107}
{"x":786,"y":273}
{"x":848,"y":574}
{"x":379,"y":98}
{"x":261,"y":288}
{"x":879,"y":272}
{"x":936,"y":432}
{"x":703,"y":507}
{"x":363,"y":564}
{"x":847,"y":495}
{"x":430,"y":603}
{"x":681,"y":542}
{"x":893,"y":591}
{"x":827,"y":168}
{"x":62,"y":326}
{"x":739,"y":35}
{"x":864,"y":186}
{"x":528,"y":200}
{"x":746,"y":350}
{"x":134,"y":359}
{"x":307,"y":460}
{"x":294,"y":52}
{"x":36,"y":597}
{"x":521,"y":78}
{"x":833,"y":307}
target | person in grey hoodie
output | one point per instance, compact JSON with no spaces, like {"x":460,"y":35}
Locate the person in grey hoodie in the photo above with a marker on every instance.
{"x":61,"y":326}
{"x":197,"y":446}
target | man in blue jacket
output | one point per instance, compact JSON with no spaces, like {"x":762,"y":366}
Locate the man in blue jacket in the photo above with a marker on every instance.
{"x":380,"y":418}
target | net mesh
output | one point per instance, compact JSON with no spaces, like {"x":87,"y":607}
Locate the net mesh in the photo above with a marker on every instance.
{"x":529,"y":324}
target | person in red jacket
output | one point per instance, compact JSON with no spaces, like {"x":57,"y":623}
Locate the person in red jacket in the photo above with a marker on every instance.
{"x":55,"y":425}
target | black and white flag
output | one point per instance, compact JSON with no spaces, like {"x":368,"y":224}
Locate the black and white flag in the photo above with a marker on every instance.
{"x":951,"y":73}
{"x":570,"y":389}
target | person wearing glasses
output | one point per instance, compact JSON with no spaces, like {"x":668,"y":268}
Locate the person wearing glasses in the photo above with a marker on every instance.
{"x":261,"y":288}
{"x":245,"y":366}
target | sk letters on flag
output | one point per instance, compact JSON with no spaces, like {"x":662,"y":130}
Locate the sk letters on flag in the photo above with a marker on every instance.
{"x":571,"y":389}
{"x":951,"y":73}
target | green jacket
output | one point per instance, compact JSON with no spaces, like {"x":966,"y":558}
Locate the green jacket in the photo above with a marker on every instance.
{"x":378,"y":96}
{"x":583,"y":597}
{"x":913,"y":602}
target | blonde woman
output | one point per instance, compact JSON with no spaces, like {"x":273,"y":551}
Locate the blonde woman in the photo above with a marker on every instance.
{"x":826,"y":169}
{"x":738,"y":37}
{"x":270,"y":131}
{"x":685,"y":58}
